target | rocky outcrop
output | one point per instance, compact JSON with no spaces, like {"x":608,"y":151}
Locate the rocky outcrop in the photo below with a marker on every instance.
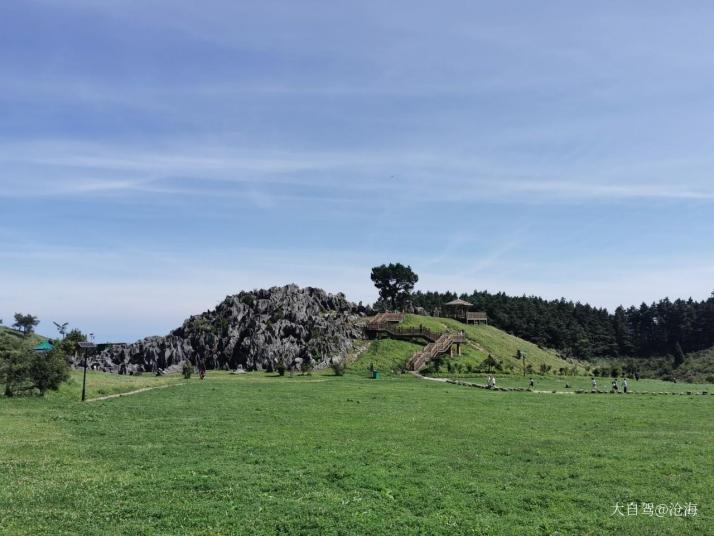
{"x":258,"y":330}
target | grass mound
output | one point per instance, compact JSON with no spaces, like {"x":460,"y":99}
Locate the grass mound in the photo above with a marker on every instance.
{"x":484,"y":340}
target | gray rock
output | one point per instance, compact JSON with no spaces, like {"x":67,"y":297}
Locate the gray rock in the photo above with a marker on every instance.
{"x":254,"y":330}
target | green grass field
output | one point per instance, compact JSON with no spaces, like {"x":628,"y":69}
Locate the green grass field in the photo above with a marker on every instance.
{"x":319,"y":454}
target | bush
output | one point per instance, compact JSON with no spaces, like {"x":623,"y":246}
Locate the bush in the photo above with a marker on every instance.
{"x":22,"y":369}
{"x":48,"y":370}
{"x":306,"y":366}
{"x":338,"y":368}
{"x":187,"y":369}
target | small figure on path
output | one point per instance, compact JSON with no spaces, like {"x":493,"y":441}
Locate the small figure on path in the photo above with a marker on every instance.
{"x":614,"y":385}
{"x":531,"y":384}
{"x":637,"y":376}
{"x":624,"y":385}
{"x":594,"y":385}
{"x":201,"y":368}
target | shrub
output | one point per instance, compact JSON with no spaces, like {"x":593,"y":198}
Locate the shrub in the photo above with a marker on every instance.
{"x":306,"y":366}
{"x":338,"y":368}
{"x":187,"y":369}
{"x":22,"y":369}
{"x":49,"y":370}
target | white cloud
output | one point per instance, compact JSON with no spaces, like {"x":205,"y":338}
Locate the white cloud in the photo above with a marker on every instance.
{"x":70,"y":169}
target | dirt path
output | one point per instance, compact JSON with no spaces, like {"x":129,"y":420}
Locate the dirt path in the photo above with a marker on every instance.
{"x":129,"y":393}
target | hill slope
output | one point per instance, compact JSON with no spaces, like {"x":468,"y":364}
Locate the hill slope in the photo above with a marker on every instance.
{"x":33,"y":339}
{"x":481,"y":341}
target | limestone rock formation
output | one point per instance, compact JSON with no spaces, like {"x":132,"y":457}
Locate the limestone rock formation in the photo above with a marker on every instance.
{"x":257,"y":330}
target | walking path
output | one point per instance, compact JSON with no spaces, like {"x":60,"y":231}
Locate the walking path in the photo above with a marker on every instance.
{"x":128,"y":393}
{"x":577,"y":391}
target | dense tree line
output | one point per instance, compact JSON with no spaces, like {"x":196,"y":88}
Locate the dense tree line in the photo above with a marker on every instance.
{"x":583,"y":331}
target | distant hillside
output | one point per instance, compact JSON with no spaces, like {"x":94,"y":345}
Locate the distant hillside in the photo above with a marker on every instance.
{"x":481,"y":341}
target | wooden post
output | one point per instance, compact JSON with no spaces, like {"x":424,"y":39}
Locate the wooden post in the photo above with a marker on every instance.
{"x":84,"y":379}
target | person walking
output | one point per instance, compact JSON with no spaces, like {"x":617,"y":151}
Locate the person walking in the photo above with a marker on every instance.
{"x":624,"y":385}
{"x":531,"y":384}
{"x":594,"y":385}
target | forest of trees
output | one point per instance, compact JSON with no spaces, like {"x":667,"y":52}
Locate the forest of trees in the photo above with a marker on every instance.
{"x":582,"y":331}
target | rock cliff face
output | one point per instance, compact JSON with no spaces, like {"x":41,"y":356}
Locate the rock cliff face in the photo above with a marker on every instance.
{"x":256,"y":330}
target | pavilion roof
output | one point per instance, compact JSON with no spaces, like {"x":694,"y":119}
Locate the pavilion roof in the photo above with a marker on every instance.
{"x":459,"y":302}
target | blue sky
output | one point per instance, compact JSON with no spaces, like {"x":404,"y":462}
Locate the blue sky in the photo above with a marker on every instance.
{"x":158,"y":155}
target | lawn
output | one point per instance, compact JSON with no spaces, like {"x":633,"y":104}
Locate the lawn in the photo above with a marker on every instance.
{"x":260,"y":454}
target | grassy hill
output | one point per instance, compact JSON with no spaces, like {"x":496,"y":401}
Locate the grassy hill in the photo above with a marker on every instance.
{"x":481,"y":341}
{"x":32,"y":339}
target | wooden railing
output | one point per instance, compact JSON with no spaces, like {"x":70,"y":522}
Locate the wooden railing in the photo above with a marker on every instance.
{"x":400,"y":332}
{"x":387,"y":317}
{"x":439,"y":342}
{"x":432,"y":350}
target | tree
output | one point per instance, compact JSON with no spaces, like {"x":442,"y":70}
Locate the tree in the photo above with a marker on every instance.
{"x":490,"y":362}
{"x":70,"y":343}
{"x":521,"y":356}
{"x":14,"y":364}
{"x":394,"y":282}
{"x":48,"y":370}
{"x":25,"y":323}
{"x":678,"y":355}
{"x":22,"y":369}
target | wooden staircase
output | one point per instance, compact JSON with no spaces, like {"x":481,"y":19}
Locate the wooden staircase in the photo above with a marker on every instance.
{"x":438,"y":342}
{"x":441,"y":346}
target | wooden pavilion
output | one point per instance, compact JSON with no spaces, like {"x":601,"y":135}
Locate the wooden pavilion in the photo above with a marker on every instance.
{"x":461,"y":310}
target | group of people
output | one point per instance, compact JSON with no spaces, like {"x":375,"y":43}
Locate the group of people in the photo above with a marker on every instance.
{"x":615,"y":385}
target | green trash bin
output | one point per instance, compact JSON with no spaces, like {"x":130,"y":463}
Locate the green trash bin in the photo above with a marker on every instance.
{"x":375,"y":374}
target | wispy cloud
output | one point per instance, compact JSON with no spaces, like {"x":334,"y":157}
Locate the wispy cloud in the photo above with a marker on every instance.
{"x":86,"y":169}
